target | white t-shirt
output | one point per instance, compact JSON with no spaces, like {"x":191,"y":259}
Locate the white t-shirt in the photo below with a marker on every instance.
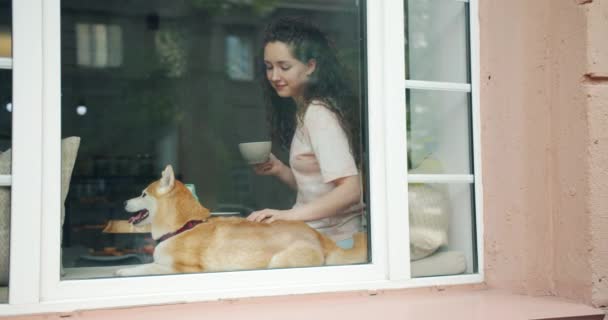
{"x":319,"y":154}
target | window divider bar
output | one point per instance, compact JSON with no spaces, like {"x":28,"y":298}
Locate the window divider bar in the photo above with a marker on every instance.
{"x":440,"y":178}
{"x":6,"y":63}
{"x":5,"y":180}
{"x":435,"y":85}
{"x":396,"y":145}
{"x":51,"y":149}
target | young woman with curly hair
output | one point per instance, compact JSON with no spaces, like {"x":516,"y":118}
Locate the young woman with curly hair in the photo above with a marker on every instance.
{"x":312,"y":113}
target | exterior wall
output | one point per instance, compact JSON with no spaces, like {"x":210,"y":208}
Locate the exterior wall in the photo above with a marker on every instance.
{"x":516,"y":144}
{"x":570,"y":137}
{"x":596,"y":87}
{"x":544,"y":97}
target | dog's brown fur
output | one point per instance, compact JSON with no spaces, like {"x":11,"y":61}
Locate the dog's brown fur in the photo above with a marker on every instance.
{"x":228,"y":243}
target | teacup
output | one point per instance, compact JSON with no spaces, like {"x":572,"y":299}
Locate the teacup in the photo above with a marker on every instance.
{"x":255,"y":152}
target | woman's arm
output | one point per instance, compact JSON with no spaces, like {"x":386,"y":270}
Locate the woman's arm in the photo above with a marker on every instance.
{"x":275,"y":167}
{"x":346,"y":194}
{"x":286,"y":175}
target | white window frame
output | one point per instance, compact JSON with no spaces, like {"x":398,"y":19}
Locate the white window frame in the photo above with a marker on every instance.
{"x":35,"y":284}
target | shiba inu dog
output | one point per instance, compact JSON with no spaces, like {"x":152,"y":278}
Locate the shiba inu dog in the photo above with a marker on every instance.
{"x":189,"y":240}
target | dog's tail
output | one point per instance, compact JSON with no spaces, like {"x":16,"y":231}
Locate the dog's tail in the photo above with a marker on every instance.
{"x":335,"y":255}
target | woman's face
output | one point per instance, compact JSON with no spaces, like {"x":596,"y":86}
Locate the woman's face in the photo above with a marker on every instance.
{"x":286,"y":74}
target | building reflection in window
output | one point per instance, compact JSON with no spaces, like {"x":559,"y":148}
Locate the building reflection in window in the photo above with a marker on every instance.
{"x":98,"y":45}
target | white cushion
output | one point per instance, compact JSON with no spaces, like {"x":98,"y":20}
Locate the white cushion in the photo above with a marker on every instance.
{"x":439,"y":264}
{"x":69,"y":149}
{"x":5,"y":218}
{"x":429,"y":212}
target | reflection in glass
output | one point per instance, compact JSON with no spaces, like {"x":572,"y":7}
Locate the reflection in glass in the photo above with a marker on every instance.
{"x":442,"y":229}
{"x":5,"y":42}
{"x":98,"y":45}
{"x":5,"y":29}
{"x":439,"y":132}
{"x":5,"y":201}
{"x":436,"y":38}
{"x":5,"y":169}
{"x":239,"y":57}
{"x":146,"y":84}
{"x":6,"y":108}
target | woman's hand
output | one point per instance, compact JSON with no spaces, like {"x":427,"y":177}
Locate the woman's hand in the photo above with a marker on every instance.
{"x":272,"y":167}
{"x":268,"y":215}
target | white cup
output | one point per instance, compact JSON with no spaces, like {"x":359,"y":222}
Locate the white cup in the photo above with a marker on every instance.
{"x":255,"y":152}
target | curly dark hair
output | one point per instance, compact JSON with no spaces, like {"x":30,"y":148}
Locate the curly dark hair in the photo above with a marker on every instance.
{"x":329,"y":83}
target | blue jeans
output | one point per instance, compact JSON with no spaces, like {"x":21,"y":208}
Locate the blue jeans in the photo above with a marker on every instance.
{"x":346,"y":243}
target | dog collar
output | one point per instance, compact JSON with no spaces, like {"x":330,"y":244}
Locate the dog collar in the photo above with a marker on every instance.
{"x":189,"y":225}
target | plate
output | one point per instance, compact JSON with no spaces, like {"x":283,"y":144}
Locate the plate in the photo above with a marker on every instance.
{"x":225,"y":213}
{"x":108,"y":258}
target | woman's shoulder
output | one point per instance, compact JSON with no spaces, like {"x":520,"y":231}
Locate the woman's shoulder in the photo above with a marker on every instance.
{"x":319,"y":116}
{"x":318,"y":109}
{"x":321,"y":103}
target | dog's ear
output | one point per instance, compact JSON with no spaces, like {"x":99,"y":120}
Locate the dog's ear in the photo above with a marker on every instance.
{"x":167,"y":181}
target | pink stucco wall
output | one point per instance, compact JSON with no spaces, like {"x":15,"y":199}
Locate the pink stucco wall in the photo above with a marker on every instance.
{"x":596,"y":90}
{"x":516,"y":139}
{"x":544,"y":97}
{"x":544,"y":100}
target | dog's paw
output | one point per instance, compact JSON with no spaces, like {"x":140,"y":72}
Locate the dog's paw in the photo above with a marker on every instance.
{"x":125,"y":272}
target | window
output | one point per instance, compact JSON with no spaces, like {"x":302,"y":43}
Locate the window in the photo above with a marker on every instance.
{"x":239,"y":57}
{"x":168,"y":105}
{"x":441,"y":166}
{"x":179,"y":83}
{"x":98,"y":45}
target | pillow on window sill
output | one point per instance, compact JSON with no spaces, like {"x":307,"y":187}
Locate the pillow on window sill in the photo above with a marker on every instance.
{"x":443,"y":263}
{"x":5,"y":209}
{"x":429,"y":219}
{"x":69,"y":149}
{"x":428,"y":212}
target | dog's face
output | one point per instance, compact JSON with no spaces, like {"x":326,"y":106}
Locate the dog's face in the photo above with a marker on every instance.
{"x":146,"y":204}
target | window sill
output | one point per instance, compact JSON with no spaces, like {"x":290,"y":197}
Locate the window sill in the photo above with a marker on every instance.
{"x":461,"y":302}
{"x":427,"y":303}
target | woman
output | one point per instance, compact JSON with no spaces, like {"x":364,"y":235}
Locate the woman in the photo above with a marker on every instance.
{"x":310,"y":99}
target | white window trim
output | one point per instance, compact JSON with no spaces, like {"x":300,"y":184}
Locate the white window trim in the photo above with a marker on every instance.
{"x":6,"y":63}
{"x":6,"y":180}
{"x":435,"y":85}
{"x":34,"y":278}
{"x":26,"y":195}
{"x":476,"y":132}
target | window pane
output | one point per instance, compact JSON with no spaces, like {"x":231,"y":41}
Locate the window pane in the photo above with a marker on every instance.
{"x":5,"y":28}
{"x":439,"y":132}
{"x":437,"y":40}
{"x":147,"y":84}
{"x":6,"y":82}
{"x":442,"y":229}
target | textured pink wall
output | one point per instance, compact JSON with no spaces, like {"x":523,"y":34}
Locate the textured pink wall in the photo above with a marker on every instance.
{"x":596,"y":87}
{"x":544,"y":97}
{"x":570,"y":138}
{"x":516,"y":144}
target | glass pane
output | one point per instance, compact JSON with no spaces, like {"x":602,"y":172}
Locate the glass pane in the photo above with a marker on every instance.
{"x":437,"y":46}
{"x":150,"y":84}
{"x":6,"y":108}
{"x":6,"y":82}
{"x":439,"y":132}
{"x":442,"y":229}
{"x":5,"y":29}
